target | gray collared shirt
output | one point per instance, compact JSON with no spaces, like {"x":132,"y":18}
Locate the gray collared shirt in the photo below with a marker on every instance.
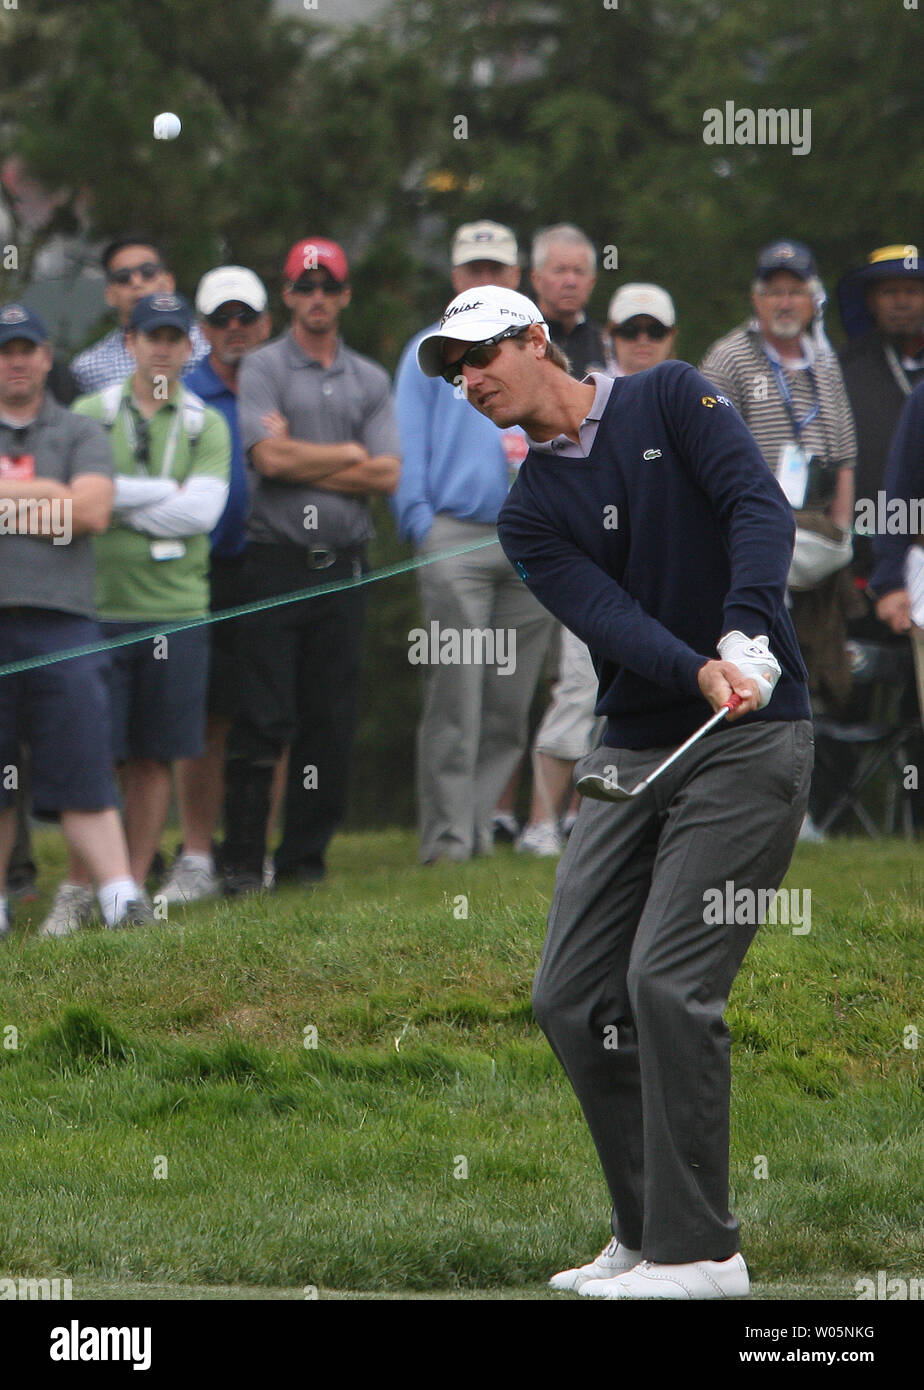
{"x":34,"y":571}
{"x":563,"y":447}
{"x":349,"y":400}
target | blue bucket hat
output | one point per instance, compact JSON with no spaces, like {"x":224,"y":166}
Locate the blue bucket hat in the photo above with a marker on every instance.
{"x":886,"y":263}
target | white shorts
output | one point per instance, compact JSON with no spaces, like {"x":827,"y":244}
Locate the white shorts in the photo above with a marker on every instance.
{"x":569,"y":727}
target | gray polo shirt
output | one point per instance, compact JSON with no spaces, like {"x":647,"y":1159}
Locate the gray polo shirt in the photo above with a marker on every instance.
{"x":349,"y":400}
{"x":34,"y":571}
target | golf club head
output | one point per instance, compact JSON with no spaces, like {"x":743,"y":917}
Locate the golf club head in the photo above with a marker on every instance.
{"x":598,"y":788}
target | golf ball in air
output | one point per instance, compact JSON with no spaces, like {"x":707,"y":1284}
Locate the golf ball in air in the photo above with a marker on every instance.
{"x":167,"y":126}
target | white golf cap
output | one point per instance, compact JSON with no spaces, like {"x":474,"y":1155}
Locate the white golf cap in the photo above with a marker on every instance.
{"x":228,"y":283}
{"x":475,"y":316}
{"x":484,"y":241}
{"x":642,"y":299}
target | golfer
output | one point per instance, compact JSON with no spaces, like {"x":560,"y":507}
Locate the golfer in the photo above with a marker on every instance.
{"x":647,"y":521}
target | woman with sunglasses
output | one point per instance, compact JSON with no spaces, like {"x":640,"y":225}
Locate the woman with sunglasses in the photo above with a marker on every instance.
{"x":640,"y":330}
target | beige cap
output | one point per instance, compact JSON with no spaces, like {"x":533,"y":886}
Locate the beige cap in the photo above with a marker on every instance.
{"x":484,"y":241}
{"x":642,"y":299}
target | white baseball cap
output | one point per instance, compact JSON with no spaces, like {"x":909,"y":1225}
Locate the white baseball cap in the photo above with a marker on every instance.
{"x":484,"y":241}
{"x":642,"y":299}
{"x":227,"y":283}
{"x":476,"y":316}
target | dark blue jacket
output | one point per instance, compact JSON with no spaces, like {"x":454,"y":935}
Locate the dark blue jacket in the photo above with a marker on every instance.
{"x":227,"y":538}
{"x":903,"y":482}
{"x":702,"y":544}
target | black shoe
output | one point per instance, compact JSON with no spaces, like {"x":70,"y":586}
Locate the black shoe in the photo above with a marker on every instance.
{"x":301,"y":876}
{"x":240,"y":885}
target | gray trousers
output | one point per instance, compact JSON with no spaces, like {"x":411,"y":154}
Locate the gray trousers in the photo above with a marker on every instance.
{"x":473,"y":729}
{"x":635,"y":972}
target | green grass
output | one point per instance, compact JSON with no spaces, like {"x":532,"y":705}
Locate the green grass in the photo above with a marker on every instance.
{"x":179,"y":1051}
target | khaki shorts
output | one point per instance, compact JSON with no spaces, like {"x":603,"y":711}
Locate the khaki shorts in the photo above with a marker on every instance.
{"x":569,"y":727}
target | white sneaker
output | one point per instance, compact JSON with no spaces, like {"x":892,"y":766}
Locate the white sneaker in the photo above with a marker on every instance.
{"x":543,"y":839}
{"x":189,"y":882}
{"x":73,"y":907}
{"x":701,"y":1280}
{"x":615,"y":1259}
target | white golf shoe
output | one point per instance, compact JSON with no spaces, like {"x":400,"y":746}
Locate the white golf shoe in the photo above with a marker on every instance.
{"x":189,"y":882}
{"x":700,"y":1280}
{"x":73,"y":907}
{"x":542,"y":838}
{"x":615,"y":1259}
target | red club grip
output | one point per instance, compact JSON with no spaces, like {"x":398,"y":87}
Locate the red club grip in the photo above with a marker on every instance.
{"x":733,"y":702}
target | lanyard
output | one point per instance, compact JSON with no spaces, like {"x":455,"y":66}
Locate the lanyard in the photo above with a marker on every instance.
{"x":131,"y":434}
{"x":783,"y":387}
{"x":897,"y":370}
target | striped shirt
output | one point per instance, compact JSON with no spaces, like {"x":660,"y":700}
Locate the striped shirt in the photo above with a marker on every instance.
{"x":109,"y":360}
{"x":741,"y":367}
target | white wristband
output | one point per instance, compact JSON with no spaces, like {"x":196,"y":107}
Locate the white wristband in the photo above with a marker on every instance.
{"x":754,"y":659}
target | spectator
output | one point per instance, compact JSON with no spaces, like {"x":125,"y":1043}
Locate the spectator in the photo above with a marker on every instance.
{"x":564,"y":265}
{"x":21,"y":871}
{"x":134,"y":268}
{"x":455,"y":476}
{"x":882,"y":308}
{"x":56,"y":477}
{"x":231,"y":302}
{"x":172,"y":461}
{"x":318,"y":424}
{"x":640,"y":329}
{"x":898,"y":593}
{"x":640,"y":333}
{"x":786,"y":383}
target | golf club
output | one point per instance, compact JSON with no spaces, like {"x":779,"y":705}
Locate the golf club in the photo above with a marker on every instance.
{"x":599,"y":788}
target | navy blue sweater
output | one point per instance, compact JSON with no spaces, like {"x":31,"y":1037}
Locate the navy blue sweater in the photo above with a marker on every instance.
{"x":702,"y":545}
{"x":903,"y":482}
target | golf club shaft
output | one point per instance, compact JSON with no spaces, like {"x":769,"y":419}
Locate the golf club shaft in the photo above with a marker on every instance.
{"x":731,"y":703}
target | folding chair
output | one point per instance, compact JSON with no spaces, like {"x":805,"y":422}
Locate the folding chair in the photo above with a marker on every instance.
{"x":870,"y":753}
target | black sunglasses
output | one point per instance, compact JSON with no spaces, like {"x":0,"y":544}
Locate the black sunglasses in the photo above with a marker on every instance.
{"x":309,"y":286}
{"x":480,"y":354}
{"x":657,"y":332}
{"x":147,"y":271}
{"x":222,"y":317}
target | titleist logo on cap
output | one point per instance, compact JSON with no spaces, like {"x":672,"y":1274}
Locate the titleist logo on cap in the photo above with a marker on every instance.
{"x":461,"y":309}
{"x":13,"y":314}
{"x":165,"y":303}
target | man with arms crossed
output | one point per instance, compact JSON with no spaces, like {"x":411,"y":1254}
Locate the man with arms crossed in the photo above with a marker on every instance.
{"x":63,"y":465}
{"x":696,"y":564}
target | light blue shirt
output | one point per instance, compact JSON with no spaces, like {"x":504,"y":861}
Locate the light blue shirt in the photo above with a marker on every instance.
{"x":453,"y":459}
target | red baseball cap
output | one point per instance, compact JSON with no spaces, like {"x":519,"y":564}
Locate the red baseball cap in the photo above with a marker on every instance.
{"x":316,"y":253}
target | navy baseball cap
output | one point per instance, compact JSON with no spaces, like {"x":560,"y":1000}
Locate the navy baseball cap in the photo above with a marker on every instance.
{"x":160,"y":310}
{"x":16,"y":321}
{"x":793,"y":256}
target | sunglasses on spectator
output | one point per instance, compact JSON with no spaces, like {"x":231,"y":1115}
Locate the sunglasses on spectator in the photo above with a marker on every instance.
{"x":657,"y":332}
{"x":223,"y":317}
{"x":148,"y":270}
{"x":329,"y":286}
{"x":479,"y":354}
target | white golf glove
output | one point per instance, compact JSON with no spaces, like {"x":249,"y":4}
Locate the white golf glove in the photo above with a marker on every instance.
{"x":754,"y":659}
